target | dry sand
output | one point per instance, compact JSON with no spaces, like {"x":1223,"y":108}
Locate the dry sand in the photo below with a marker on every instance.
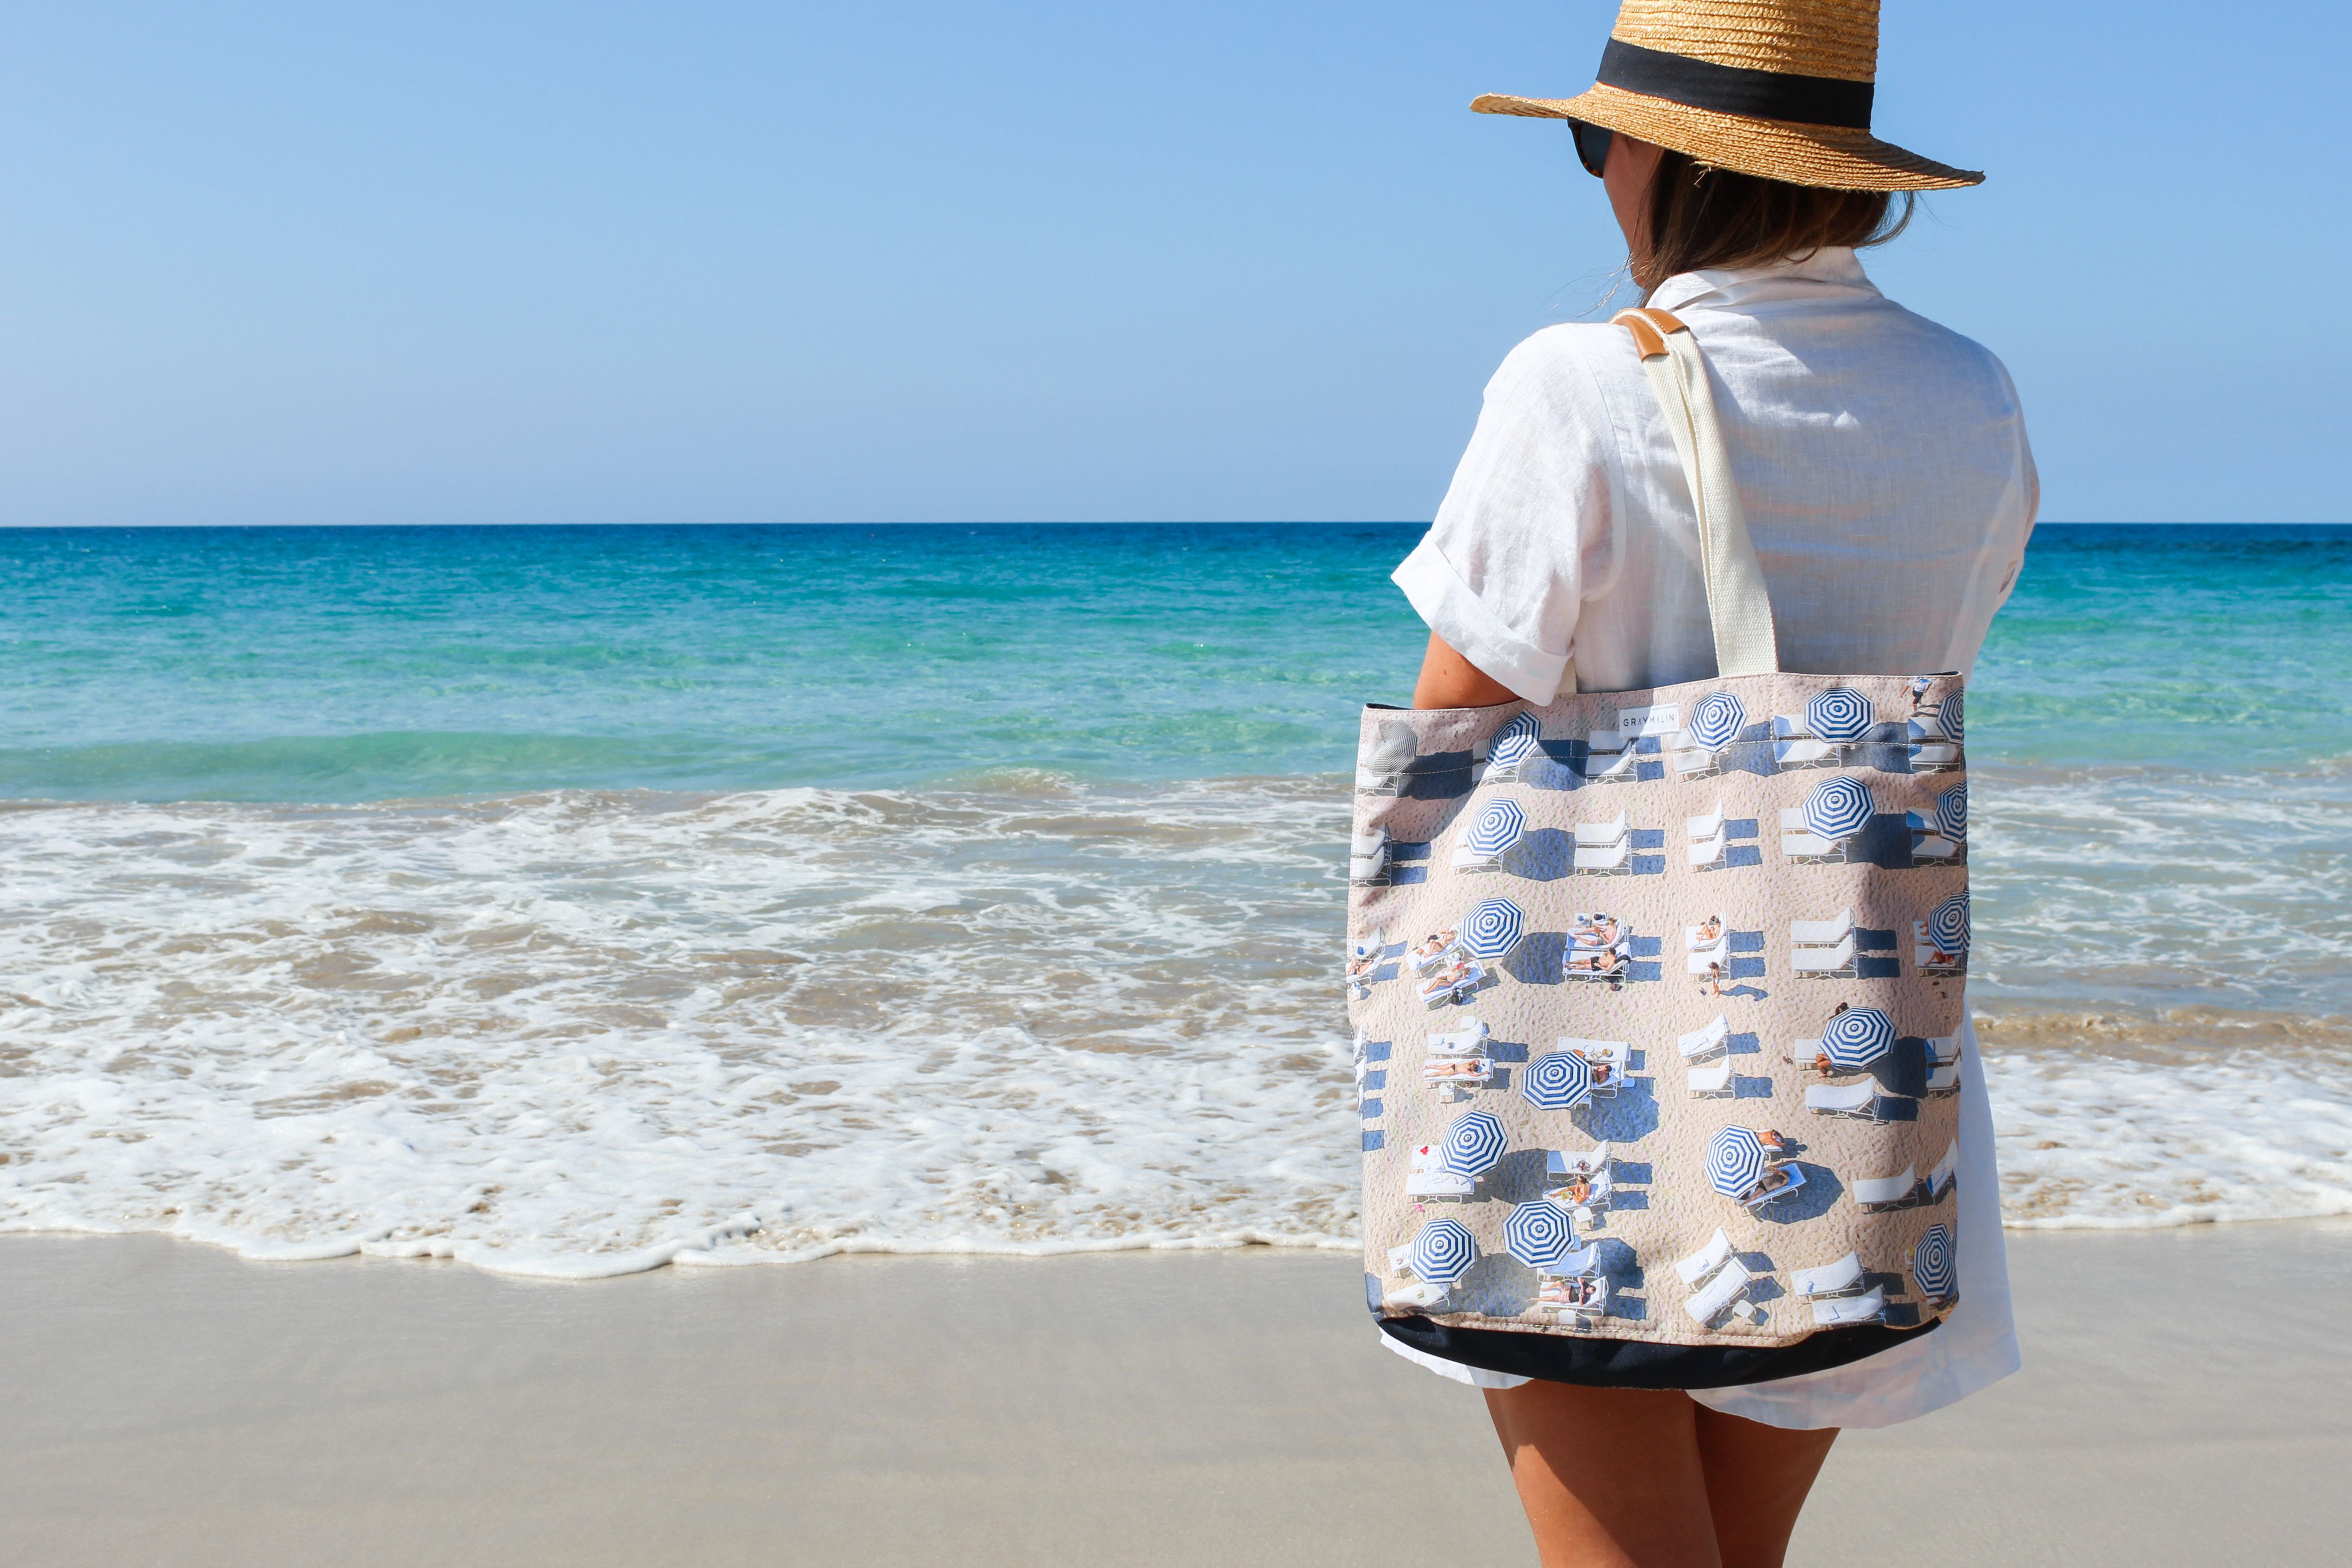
{"x":2185,"y":1401}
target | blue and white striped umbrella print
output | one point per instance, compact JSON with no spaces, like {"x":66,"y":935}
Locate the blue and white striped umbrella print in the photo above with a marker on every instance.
{"x":1840,"y":715}
{"x":1858,"y":1037}
{"x":1715,"y":720}
{"x":1538,"y":1234}
{"x":1948,"y":924}
{"x":1491,"y":928}
{"x":1839,"y":808}
{"x":1952,"y":714}
{"x":1934,"y":1266}
{"x":1498,"y":827}
{"x":1473,"y":1142}
{"x":1734,"y":1162}
{"x":1443,"y":1253}
{"x":1952,"y":813}
{"x":1558,"y":1081}
{"x":1514,"y":742}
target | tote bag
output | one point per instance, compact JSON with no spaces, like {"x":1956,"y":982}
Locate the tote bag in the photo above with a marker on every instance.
{"x":1657,"y":997}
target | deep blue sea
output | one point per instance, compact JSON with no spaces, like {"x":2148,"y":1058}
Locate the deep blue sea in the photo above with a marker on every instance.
{"x":568,"y":899}
{"x":342,"y":664}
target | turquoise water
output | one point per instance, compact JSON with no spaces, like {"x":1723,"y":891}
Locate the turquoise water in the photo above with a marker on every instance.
{"x":572,"y":900}
{"x":348,"y":664}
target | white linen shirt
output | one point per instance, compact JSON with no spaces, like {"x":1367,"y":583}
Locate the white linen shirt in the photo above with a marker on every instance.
{"x":1881,"y":460}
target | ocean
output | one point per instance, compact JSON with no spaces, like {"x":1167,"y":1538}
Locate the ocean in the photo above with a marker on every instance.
{"x":572,"y":901}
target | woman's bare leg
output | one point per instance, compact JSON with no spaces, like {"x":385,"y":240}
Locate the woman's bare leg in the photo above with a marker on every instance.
{"x":1757,"y":1480}
{"x":1610,"y":1478}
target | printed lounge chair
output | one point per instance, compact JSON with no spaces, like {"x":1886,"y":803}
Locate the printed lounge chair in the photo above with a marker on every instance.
{"x":1932,"y":749}
{"x":1438,"y":948}
{"x":1430,"y":1178}
{"x":1839,"y":1311}
{"x":1943,"y":1081}
{"x":1931,"y":960}
{"x":1465,"y":1038}
{"x":1711,"y":852}
{"x":1713,"y":1081}
{"x":1820,"y":932}
{"x":1615,"y":1056}
{"x":1927,"y":842}
{"x":1368,"y":858}
{"x":1842,"y":1278}
{"x":1372,"y":944}
{"x":1452,"y":985}
{"x":1793,"y":746}
{"x":1858,"y":1101}
{"x":1702,"y":1043}
{"x":1781,"y":1179}
{"x":1711,"y":1300}
{"x":1876,"y":1195}
{"x":1420,"y":1294}
{"x":1561,"y":1166}
{"x":1604,"y":846}
{"x":1455,"y":1077}
{"x":1602,"y":835}
{"x":1581,"y":1296}
{"x":1706,"y":1261}
{"x":1824,"y":963}
{"x":1945,"y":1052}
{"x":1947,"y":1172}
{"x":1610,"y":759}
{"x":1802,"y":845}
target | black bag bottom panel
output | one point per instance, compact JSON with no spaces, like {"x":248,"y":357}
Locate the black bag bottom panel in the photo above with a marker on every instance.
{"x":1637,"y":1364}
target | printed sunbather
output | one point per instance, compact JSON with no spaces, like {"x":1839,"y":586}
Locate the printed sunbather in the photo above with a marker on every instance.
{"x":1429,"y":952}
{"x":1711,"y":932}
{"x":1713,"y":982}
{"x":1474,"y":1067}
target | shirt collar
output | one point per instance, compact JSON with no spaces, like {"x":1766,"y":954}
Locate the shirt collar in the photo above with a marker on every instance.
{"x":1831,"y":271}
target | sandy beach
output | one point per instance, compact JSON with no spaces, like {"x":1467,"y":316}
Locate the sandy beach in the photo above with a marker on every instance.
{"x":170,"y":1403}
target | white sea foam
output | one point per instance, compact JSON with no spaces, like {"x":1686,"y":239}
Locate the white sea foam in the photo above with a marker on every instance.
{"x":584,"y":1034}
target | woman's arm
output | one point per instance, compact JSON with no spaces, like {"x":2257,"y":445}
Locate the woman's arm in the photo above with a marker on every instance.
{"x":1449,"y":680}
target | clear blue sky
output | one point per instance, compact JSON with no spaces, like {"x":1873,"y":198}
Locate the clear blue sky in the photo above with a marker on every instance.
{"x":720,"y":262}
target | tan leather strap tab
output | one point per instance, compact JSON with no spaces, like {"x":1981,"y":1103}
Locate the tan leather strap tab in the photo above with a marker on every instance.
{"x":1647,"y":339}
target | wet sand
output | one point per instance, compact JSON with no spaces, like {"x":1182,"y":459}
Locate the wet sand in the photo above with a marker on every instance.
{"x":2184,"y":1402}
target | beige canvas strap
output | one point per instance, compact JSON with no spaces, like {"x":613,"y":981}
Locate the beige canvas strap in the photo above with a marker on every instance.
{"x":1736,"y":600}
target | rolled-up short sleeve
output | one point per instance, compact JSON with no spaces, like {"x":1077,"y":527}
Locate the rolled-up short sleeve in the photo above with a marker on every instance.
{"x":1503,"y":568}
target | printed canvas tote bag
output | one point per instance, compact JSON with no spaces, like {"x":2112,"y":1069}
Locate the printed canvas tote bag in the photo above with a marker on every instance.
{"x":1657,"y":997}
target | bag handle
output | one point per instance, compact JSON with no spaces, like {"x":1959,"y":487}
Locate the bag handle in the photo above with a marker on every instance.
{"x":1736,"y":603}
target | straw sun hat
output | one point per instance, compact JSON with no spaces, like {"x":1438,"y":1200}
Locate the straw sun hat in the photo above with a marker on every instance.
{"x":1779,"y":89}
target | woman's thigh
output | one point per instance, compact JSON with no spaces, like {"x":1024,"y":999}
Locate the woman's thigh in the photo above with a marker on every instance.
{"x":1622,"y":1477}
{"x":1756,"y":1481}
{"x":1610,"y":1478}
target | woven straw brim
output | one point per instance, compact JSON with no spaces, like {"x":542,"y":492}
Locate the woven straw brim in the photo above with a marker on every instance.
{"x":1829,"y":156}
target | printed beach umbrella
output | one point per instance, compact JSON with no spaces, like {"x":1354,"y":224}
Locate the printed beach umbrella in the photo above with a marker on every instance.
{"x":1948,"y":924}
{"x":1934,"y":1268}
{"x":1840,"y":714}
{"x":1514,"y":742}
{"x":1491,"y":928}
{"x":1952,"y":712}
{"x":1858,"y":1037}
{"x":1443,"y":1253}
{"x":1498,"y":827}
{"x":1473,"y":1142}
{"x":1734,"y":1162}
{"x":1839,"y":808}
{"x":1952,"y":813}
{"x":1538,"y":1234}
{"x":1715,"y":720}
{"x":1559,"y":1081}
